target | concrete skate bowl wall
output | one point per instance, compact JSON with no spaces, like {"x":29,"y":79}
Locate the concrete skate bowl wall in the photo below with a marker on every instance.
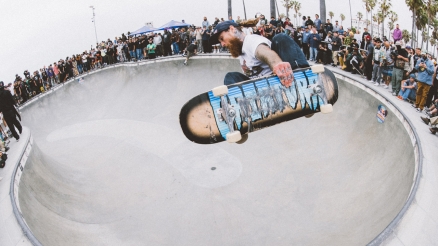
{"x":110,"y":166}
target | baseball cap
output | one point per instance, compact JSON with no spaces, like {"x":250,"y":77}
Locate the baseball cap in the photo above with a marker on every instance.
{"x":223,"y":26}
{"x":408,"y":47}
{"x":412,"y":76}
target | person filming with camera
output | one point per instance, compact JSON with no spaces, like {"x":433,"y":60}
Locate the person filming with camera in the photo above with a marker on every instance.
{"x":400,"y":57}
{"x":425,"y":70}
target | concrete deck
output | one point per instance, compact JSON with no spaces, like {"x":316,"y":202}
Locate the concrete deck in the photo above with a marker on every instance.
{"x":109,"y":166}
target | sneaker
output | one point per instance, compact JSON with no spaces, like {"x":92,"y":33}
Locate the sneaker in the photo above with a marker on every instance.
{"x":185,"y":63}
{"x":376,"y":84}
{"x":413,"y":105}
{"x":425,"y":120}
{"x":385,"y":86}
{"x":400,"y":98}
{"x":432,"y":130}
{"x":394,"y":94}
{"x":6,"y":149}
{"x":18,"y":139}
{"x":370,"y":81}
{"x":418,"y":110}
{"x":426,"y":108}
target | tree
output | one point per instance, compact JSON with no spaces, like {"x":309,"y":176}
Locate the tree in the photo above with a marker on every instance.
{"x":433,"y":44}
{"x":322,"y":10}
{"x":342,"y":16}
{"x":369,"y":6}
{"x":288,"y":4}
{"x":359,"y":18}
{"x":230,"y":11}
{"x":424,"y":38}
{"x":414,"y":6}
{"x":297,"y":7}
{"x":406,"y":36}
{"x":331,"y":14}
{"x":393,"y":17}
{"x":378,"y":18}
{"x":385,"y":5}
{"x":432,"y":8}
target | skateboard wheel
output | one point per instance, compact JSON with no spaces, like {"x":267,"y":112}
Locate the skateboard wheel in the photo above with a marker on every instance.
{"x":233,"y":137}
{"x":326,"y":109}
{"x":220,"y":90}
{"x":318,"y":68}
{"x":309,"y":115}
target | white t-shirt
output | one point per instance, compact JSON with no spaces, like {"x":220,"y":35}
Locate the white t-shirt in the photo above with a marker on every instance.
{"x":247,"y":30}
{"x":248,"y":57}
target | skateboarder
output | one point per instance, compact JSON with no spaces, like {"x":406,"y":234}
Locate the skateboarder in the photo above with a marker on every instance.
{"x":259,"y":56}
{"x":7,"y":107}
{"x":191,"y":51}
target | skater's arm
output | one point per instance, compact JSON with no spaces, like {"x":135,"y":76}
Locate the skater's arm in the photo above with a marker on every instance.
{"x":282,"y":69}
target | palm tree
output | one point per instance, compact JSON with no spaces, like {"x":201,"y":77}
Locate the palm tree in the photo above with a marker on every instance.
{"x":406,"y":36}
{"x":297,"y":7}
{"x":359,"y":18}
{"x":414,"y":6}
{"x":433,"y":43}
{"x":424,"y":38}
{"x":369,"y":6}
{"x":390,"y":26}
{"x":385,"y":5}
{"x":288,"y":4}
{"x":420,"y":21}
{"x":331,"y":14}
{"x":432,"y":7}
{"x":393,"y":17}
{"x":322,"y":10}
{"x":378,"y":18}
{"x":342,"y":16}
{"x":230,"y":12}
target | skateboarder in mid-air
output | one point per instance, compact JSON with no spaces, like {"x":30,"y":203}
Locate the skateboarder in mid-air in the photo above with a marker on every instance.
{"x":259,"y":56}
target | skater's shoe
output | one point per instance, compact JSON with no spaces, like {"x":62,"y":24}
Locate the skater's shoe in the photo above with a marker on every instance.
{"x":433,"y":130}
{"x":425,"y":120}
{"x":185,"y":63}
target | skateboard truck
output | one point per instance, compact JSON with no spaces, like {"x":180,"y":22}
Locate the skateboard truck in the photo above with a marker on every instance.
{"x":227,"y":113}
{"x":318,"y":89}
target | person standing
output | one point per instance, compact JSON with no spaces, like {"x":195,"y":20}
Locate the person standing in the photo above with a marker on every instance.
{"x":167,"y":42}
{"x":425,"y":70}
{"x":306,"y":50}
{"x":314,"y":40}
{"x":336,"y":45}
{"x":397,"y":34}
{"x":378,"y":58}
{"x":7,"y":107}
{"x":206,"y":23}
{"x":151,"y":47}
{"x":369,"y":47}
{"x":205,"y":37}
{"x":317,"y":22}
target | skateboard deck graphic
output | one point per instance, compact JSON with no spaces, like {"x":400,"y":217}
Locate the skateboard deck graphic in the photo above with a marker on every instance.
{"x":252,"y":105}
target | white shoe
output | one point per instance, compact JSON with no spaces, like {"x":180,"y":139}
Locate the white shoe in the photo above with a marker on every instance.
{"x":376,"y":84}
{"x":385,"y":87}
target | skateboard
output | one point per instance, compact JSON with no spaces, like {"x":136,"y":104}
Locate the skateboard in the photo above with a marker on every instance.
{"x":228,"y":113}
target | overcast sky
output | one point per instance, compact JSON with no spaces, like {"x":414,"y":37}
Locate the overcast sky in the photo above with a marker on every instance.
{"x":36,"y":33}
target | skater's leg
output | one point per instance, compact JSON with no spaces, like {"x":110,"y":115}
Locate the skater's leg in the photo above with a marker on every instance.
{"x":234,"y":77}
{"x":289,"y":51}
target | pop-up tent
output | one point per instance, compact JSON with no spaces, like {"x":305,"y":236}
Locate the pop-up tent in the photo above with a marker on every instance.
{"x":173,"y":24}
{"x":142,"y":30}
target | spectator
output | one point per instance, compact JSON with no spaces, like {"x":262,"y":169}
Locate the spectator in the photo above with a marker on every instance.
{"x":138,"y":48}
{"x":205,"y":37}
{"x":378,"y":60}
{"x":388,"y":65}
{"x":7,"y":108}
{"x":306,"y":47}
{"x":308,"y":22}
{"x":397,"y":34}
{"x":328,"y":26}
{"x":364,"y":35}
{"x":230,"y":18}
{"x":314,"y":40}
{"x":433,"y":91}
{"x":433,"y":123}
{"x":151,"y":47}
{"x":341,"y":30}
{"x":400,"y":58}
{"x":317,"y":23}
{"x":167,"y":40}
{"x":206,"y":23}
{"x":159,"y":48}
{"x":336,"y":45}
{"x":408,"y":89}
{"x":304,"y":21}
{"x":425,"y":70}
{"x":238,"y":21}
{"x":358,"y":38}
{"x":369,"y":48}
{"x":336,"y":27}
{"x":273,"y":22}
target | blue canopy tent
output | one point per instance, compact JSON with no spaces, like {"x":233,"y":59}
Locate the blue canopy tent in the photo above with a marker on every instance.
{"x":142,"y":30}
{"x":173,"y":24}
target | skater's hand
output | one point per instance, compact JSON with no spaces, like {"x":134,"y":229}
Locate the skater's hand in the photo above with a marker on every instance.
{"x":284,"y":72}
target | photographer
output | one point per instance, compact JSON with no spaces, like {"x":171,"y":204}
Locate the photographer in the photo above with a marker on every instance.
{"x":425,"y":70}
{"x":400,"y":58}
